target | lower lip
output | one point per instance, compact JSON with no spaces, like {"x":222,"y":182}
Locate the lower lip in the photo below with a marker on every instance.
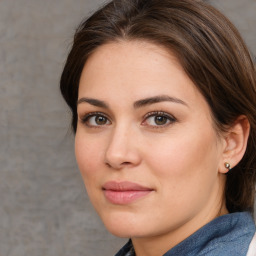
{"x":125,"y":197}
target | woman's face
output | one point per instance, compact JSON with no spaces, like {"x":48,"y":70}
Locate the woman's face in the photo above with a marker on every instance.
{"x":145,"y":143}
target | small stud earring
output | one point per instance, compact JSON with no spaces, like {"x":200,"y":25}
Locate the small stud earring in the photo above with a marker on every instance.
{"x":227,"y":165}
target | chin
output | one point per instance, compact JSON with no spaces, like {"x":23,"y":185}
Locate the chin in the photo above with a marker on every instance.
{"x":123,"y":225}
{"x":121,"y":230}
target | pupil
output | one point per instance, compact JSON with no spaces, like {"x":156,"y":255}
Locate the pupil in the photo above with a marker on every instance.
{"x":100,"y":120}
{"x":160,"y":120}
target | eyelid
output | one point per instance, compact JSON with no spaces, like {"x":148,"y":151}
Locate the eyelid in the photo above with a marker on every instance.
{"x":160,"y":113}
{"x":86,"y":116}
{"x":170,"y":117}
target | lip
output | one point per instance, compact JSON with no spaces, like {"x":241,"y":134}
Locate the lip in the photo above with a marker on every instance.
{"x":124,"y":192}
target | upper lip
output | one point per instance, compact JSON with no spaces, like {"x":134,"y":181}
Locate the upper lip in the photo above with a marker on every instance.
{"x":124,"y":186}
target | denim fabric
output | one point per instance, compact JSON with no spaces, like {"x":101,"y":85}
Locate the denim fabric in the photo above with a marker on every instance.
{"x":228,"y":235}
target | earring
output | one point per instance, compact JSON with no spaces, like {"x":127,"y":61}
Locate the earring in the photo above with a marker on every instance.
{"x":227,"y":165}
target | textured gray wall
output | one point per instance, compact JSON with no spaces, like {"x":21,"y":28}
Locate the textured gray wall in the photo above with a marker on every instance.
{"x":44,"y":209}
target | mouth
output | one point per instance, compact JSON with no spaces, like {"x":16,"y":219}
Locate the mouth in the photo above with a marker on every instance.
{"x":125,"y":192}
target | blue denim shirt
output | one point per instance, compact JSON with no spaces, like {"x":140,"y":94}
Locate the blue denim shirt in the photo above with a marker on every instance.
{"x":228,"y":235}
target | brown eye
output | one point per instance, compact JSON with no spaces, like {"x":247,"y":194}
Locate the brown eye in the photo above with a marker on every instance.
{"x":160,"y":120}
{"x":101,"y":120}
{"x":95,"y":120}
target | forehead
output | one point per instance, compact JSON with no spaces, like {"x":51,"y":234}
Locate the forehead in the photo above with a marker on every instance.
{"x":133,"y":70}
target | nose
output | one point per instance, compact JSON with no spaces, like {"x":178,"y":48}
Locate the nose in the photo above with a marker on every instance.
{"x":122,"y":150}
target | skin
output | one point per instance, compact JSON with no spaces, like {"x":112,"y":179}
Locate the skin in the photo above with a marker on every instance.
{"x":181,"y":158}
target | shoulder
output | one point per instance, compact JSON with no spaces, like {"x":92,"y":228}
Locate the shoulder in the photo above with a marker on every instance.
{"x":229,"y":234}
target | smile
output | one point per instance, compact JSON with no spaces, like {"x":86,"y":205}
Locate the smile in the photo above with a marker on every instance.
{"x":124,"y":192}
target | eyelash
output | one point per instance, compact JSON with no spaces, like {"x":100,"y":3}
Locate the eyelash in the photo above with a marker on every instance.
{"x":85,"y":119}
{"x":170,"y":119}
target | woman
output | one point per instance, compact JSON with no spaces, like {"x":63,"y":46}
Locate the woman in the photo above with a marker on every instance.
{"x":163,"y":96}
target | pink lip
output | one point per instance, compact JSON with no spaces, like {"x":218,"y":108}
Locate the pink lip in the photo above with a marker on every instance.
{"x":124,"y":192}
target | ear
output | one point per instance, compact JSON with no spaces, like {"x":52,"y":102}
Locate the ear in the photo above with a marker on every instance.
{"x":235,"y":143}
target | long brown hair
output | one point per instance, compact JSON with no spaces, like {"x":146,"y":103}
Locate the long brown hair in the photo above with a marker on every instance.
{"x":210,"y":50}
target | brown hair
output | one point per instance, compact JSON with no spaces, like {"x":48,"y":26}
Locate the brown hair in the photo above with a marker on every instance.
{"x":209,"y":48}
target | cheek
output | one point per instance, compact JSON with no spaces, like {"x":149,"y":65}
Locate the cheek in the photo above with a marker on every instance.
{"x":186,"y":172}
{"x":187,"y":159}
{"x":89,"y":159}
{"x":88,"y":156}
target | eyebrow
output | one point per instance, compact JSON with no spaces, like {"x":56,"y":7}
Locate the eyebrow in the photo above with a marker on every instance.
{"x":137,"y":104}
{"x":94,"y":102}
{"x":157,"y":99}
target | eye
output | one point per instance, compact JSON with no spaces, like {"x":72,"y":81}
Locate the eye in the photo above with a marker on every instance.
{"x":96,"y":119}
{"x":158,"y":119}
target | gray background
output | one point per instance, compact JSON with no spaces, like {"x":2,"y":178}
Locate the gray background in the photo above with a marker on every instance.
{"x":44,"y":209}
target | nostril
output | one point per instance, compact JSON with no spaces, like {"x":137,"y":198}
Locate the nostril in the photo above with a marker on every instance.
{"x":125,"y":163}
{"x":108,"y":165}
{"x":119,"y":166}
